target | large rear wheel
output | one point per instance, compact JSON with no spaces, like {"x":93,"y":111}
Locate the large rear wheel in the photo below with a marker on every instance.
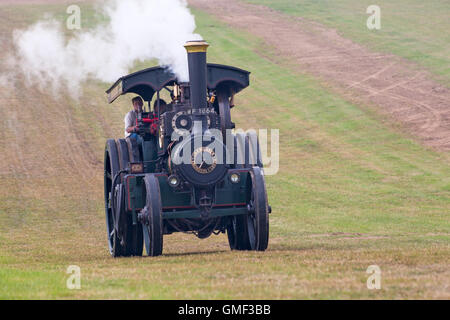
{"x":247,"y":152}
{"x":112,"y":167}
{"x":224,"y":113}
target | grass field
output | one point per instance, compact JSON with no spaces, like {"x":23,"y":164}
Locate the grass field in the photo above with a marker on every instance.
{"x":352,"y":191}
{"x":413,"y":29}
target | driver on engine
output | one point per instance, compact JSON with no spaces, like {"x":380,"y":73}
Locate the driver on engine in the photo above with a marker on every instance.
{"x":131,"y":128}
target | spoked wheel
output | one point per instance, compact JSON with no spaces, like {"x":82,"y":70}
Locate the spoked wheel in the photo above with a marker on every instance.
{"x":151,"y":216}
{"x":251,"y":231}
{"x":111,"y":168}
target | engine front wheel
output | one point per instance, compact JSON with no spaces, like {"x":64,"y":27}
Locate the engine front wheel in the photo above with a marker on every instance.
{"x":237,"y":233}
{"x":258,"y":218}
{"x":151,"y":217}
{"x":251,"y":231}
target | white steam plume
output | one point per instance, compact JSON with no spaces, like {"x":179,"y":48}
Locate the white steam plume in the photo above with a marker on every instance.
{"x":137,"y":30}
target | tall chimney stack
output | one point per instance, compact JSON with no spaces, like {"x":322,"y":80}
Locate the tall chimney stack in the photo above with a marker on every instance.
{"x":197,"y":73}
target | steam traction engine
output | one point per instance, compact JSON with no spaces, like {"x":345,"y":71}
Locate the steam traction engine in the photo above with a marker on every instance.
{"x":205,"y":180}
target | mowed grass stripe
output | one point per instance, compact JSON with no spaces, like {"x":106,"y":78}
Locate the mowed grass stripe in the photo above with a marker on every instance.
{"x":413,"y":29}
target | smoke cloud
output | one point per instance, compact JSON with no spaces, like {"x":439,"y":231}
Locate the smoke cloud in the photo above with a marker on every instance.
{"x":137,"y":30}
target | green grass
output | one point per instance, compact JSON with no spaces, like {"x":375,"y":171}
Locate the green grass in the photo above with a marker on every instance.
{"x":351,"y":192}
{"x":413,"y":29}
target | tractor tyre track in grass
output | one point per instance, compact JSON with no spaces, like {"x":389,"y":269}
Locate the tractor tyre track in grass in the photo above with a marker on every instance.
{"x":394,"y":86}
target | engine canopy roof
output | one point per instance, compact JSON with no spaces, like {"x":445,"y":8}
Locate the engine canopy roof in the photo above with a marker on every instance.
{"x":148,"y":81}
